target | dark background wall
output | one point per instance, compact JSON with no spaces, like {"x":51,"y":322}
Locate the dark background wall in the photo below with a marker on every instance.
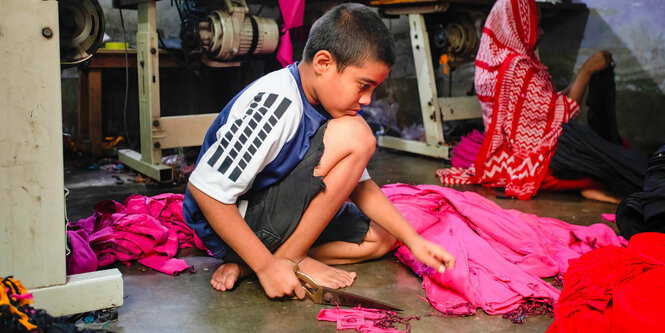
{"x":632,"y":30}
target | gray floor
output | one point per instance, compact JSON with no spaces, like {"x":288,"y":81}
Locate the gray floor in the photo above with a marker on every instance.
{"x":156,"y":302}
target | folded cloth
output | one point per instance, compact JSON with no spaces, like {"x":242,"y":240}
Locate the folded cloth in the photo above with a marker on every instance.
{"x":601,"y":102}
{"x":603,"y":287}
{"x":583,"y":153}
{"x":645,"y":211}
{"x":638,"y":305}
{"x":464,"y":154}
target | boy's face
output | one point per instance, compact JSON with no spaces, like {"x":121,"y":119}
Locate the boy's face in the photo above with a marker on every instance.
{"x":343,"y":93}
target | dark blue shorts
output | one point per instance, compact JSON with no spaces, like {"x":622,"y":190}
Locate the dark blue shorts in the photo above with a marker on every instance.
{"x":274,"y":212}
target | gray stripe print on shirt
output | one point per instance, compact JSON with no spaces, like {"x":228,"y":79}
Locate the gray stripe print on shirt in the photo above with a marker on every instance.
{"x":242,"y":130}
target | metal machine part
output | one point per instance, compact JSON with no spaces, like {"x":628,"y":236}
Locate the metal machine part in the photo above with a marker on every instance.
{"x":32,"y":226}
{"x":449,"y":35}
{"x":230,"y":33}
{"x":81,"y":30}
{"x":458,"y":37}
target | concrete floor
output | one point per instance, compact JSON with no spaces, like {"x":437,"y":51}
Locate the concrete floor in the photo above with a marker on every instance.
{"x":156,"y":302}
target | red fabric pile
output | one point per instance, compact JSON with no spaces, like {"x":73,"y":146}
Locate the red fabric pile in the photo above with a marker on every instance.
{"x":615,"y":289}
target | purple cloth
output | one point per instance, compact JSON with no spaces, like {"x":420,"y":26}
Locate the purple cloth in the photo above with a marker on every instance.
{"x":464,"y":154}
{"x":148,"y":229}
{"x":81,"y":259}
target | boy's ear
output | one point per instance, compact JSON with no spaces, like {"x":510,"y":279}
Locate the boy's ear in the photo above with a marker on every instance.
{"x":323,"y":61}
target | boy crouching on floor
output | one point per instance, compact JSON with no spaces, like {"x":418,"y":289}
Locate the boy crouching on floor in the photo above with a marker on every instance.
{"x":280,"y":161}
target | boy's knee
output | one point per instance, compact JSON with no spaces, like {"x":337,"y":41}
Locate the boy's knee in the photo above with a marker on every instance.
{"x":380,"y":242}
{"x":352,"y":133}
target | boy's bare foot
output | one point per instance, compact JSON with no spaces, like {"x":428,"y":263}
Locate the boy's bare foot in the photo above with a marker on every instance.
{"x":227,"y":274}
{"x":600,"y":195}
{"x":325,"y":275}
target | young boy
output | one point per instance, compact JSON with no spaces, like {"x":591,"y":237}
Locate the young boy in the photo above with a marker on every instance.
{"x":282,"y":158}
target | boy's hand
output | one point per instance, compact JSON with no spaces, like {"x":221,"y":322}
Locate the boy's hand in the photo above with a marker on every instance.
{"x":431,"y":254}
{"x":279,"y":280}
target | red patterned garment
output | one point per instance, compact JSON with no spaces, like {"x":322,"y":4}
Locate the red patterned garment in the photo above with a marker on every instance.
{"x":522,"y":110}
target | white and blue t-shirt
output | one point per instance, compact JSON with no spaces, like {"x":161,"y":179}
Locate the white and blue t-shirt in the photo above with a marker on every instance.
{"x":257,"y":139}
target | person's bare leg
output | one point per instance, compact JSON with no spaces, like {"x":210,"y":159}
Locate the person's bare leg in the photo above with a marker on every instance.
{"x":227,"y":274}
{"x":376,"y":244}
{"x":599,"y":194}
{"x":348,"y":146}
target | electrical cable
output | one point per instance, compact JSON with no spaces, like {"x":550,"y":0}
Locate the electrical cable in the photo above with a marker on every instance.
{"x":182,"y":63}
{"x":177,"y":7}
{"x":169,"y":52}
{"x":124,"y":107}
{"x":260,"y":9}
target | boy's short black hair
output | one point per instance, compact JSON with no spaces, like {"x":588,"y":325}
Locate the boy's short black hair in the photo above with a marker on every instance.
{"x":352,"y":33}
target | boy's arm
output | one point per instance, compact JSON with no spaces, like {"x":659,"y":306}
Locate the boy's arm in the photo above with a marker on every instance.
{"x":374,"y":203}
{"x":276,"y":275}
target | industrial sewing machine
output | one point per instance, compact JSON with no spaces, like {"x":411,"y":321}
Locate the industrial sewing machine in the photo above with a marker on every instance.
{"x":37,"y":37}
{"x":226,"y":34}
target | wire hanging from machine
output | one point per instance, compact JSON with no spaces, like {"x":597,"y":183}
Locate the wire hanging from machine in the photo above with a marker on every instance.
{"x":124,"y":106}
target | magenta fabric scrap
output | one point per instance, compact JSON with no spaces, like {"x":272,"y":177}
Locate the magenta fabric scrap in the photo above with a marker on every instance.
{"x":359,"y":319}
{"x":464,"y":154}
{"x":148,"y":229}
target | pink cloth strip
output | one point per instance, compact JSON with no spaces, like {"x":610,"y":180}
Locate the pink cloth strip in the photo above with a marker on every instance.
{"x":363,"y":320}
{"x":292,"y":12}
{"x":609,"y":217}
{"x":21,"y":296}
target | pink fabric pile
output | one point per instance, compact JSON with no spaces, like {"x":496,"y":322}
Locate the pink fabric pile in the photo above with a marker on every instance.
{"x":148,"y":229}
{"x":501,"y":254}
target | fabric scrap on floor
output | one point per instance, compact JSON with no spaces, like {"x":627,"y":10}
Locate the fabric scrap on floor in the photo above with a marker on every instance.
{"x":609,"y":217}
{"x":365,"y":320}
{"x":17,"y":314}
{"x":615,"y":289}
{"x":500,"y":254}
{"x":645,"y":211}
{"x":148,"y":229}
{"x":14,"y":299}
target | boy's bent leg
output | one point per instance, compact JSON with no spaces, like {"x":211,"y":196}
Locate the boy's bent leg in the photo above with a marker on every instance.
{"x":377,"y":243}
{"x":348,"y":146}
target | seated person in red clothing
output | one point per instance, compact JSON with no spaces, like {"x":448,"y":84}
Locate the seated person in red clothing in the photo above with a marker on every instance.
{"x":522,"y":111}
